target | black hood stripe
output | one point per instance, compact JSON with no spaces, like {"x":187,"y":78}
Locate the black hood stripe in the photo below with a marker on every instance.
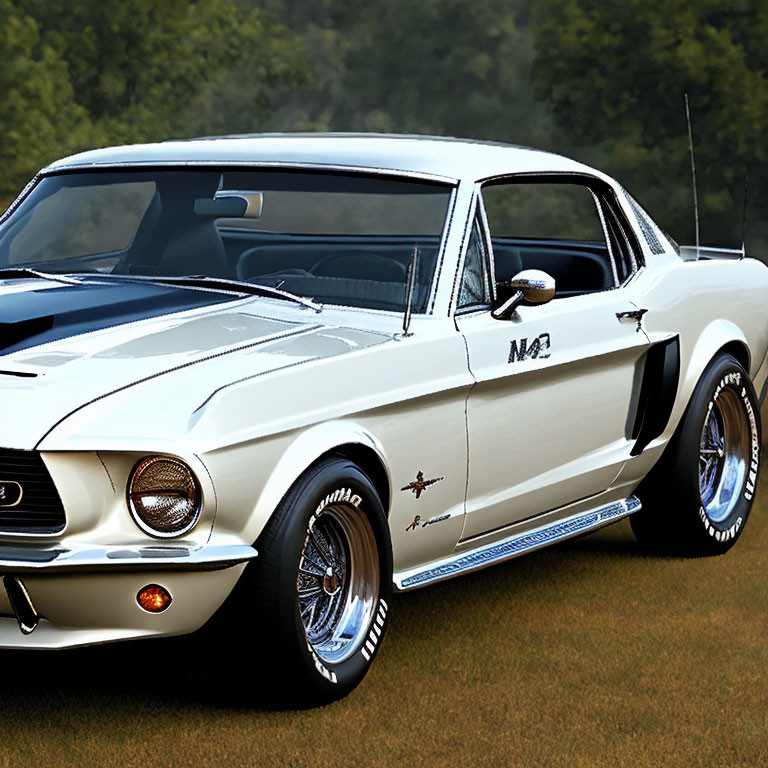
{"x":38,"y":316}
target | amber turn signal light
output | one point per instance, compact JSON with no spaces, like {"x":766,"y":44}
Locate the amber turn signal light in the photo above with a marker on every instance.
{"x":154,"y":598}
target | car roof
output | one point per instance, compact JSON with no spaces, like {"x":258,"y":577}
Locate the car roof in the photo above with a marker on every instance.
{"x":439,"y":156}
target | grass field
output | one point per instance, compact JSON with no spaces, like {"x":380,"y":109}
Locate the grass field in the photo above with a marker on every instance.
{"x":586,"y":654}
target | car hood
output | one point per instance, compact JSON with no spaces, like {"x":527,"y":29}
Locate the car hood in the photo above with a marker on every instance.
{"x":66,"y":346}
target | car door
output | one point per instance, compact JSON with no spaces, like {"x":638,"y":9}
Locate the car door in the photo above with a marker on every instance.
{"x":548,"y":419}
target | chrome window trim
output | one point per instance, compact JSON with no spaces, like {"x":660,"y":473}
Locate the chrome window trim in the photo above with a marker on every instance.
{"x":364,"y":169}
{"x":632,"y":254}
{"x":22,"y":196}
{"x":635,"y":253}
{"x":433,"y":289}
{"x":486,"y":260}
{"x":606,"y":237}
{"x":452,"y":305}
{"x":490,"y":266}
{"x":474,"y":309}
{"x":476,"y":210}
{"x":634,"y":211}
{"x":633,"y":275}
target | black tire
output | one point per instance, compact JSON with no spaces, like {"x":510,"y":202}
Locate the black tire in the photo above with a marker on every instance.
{"x":285,"y":668}
{"x":697,"y":499}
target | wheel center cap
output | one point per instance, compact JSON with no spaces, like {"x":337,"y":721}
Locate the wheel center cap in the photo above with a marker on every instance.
{"x":331,"y":583}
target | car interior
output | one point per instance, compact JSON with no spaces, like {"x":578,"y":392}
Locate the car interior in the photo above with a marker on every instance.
{"x":555,"y":226}
{"x":313,"y":242}
{"x":316,"y":238}
{"x":372,"y":270}
{"x":578,"y":267}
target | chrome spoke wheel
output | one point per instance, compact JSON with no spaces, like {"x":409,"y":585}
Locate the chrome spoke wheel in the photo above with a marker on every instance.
{"x":338,"y":581}
{"x":723,"y":455}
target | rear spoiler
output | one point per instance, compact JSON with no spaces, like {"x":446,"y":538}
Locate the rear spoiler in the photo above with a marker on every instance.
{"x":692,"y":253}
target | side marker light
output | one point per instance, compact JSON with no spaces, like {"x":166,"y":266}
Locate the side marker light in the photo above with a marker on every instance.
{"x":154,"y":598}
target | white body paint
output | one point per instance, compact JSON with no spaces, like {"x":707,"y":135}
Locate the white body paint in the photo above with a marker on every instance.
{"x":252,"y":392}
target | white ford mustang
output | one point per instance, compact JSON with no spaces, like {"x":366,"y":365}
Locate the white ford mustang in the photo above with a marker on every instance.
{"x":305,"y":370}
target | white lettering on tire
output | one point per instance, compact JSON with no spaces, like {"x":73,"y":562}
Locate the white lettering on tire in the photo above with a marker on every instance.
{"x":369,"y":646}
{"x":734,"y":380}
{"x":754,"y":464}
{"x":340,"y":494}
{"x":329,"y":675}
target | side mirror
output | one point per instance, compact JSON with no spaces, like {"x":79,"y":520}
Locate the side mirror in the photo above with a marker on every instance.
{"x":531,"y":286}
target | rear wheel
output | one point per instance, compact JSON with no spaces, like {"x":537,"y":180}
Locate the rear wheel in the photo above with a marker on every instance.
{"x":698,"y":497}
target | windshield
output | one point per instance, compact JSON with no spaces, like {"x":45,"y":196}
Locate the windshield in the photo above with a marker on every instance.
{"x":335,"y":238}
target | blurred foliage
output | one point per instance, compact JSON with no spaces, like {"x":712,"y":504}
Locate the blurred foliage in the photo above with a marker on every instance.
{"x":98,"y":72}
{"x":615,"y":73}
{"x":565,"y":211}
{"x":599,"y":80}
{"x":39,"y":117}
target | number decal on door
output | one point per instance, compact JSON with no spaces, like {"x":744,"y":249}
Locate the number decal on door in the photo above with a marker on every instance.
{"x":538,"y":348}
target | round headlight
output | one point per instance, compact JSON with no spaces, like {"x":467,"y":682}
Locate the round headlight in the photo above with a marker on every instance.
{"x":164,"y":496}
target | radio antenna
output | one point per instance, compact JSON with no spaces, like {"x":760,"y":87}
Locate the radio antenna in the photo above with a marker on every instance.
{"x":409,"y":289}
{"x":744,"y":221}
{"x":693,"y":173}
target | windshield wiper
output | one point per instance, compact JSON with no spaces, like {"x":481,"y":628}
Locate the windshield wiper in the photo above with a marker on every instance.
{"x":11,"y":272}
{"x":225,"y":284}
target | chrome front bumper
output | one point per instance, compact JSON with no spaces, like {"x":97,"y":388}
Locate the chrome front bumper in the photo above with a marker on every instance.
{"x":57,"y":597}
{"x":23,"y":559}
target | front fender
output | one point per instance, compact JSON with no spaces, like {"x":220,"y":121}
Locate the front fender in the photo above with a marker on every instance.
{"x":303,"y":451}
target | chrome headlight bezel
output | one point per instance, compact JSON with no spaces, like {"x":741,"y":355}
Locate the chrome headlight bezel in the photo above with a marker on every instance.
{"x":139,"y":470}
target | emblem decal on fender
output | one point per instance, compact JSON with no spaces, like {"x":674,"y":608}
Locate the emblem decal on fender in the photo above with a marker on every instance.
{"x":538,"y":348}
{"x":432,"y":520}
{"x":419,"y":485}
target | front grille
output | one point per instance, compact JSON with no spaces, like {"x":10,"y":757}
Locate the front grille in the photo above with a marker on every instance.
{"x":40,"y":509}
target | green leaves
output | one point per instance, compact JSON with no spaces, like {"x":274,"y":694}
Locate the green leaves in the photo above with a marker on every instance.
{"x":601,"y":80}
{"x":615,"y":75}
{"x":35,"y":98}
{"x":100,"y":72}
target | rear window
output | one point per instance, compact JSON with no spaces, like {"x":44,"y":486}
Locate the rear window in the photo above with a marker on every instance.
{"x":346,"y":213}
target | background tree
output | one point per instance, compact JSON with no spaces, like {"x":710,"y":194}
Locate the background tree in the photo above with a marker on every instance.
{"x":615,"y":74}
{"x":103,"y":72}
{"x":38,"y":115}
{"x":147,"y":69}
{"x":438,"y":66}
{"x":600,"y":80}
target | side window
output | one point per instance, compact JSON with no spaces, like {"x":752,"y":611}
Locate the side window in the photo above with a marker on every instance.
{"x":554,"y":226}
{"x":475,"y":288}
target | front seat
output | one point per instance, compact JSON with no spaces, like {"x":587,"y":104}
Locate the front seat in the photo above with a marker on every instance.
{"x":197,"y":249}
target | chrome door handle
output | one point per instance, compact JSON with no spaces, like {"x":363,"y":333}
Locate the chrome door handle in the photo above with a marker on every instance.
{"x":633,"y":314}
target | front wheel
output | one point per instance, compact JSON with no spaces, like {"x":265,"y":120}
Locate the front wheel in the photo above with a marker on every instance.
{"x":317,"y":596}
{"x":698,"y":497}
